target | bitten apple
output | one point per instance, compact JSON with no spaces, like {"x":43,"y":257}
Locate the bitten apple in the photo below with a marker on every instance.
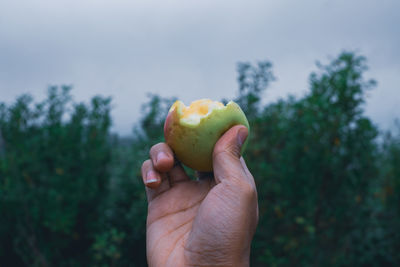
{"x":193,"y":131}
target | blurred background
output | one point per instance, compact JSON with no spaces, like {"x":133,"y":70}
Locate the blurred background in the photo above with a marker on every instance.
{"x":85,"y":87}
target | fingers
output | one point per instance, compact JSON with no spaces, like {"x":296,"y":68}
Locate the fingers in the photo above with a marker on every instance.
{"x":230,"y":167}
{"x":155,"y":182}
{"x":228,"y":164}
{"x":163,"y":161}
{"x":162,"y":157}
{"x":226,"y":155}
{"x":151,"y":178}
{"x":162,"y":171}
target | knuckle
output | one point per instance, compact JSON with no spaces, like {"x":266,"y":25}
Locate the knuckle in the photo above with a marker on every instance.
{"x":159,"y":147}
{"x":156,"y":147}
{"x":153,"y":149}
{"x":227,"y":151}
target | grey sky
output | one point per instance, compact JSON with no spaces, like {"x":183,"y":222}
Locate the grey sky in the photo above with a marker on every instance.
{"x":189,"y":49}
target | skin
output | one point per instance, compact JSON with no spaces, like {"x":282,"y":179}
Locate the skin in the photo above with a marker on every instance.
{"x":207,"y":222}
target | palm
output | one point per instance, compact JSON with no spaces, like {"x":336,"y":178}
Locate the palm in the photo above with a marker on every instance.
{"x":192,"y":216}
{"x":170,"y":220}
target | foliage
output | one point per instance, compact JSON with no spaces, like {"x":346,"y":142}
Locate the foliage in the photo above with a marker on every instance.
{"x":71,"y":193}
{"x":54,"y":172}
{"x":317,"y":163}
{"x":253,"y":80}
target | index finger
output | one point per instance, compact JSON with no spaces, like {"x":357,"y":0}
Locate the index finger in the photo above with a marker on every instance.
{"x":162,"y":157}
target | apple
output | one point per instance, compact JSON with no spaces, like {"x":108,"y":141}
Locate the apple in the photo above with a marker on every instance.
{"x":193,"y":131}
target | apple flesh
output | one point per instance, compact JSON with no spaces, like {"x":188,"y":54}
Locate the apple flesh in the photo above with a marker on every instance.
{"x":193,"y":131}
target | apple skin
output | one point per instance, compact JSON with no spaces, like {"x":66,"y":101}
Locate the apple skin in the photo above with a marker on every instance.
{"x":193,"y":144}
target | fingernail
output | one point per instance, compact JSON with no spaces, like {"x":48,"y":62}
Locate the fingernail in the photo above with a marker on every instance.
{"x":161,"y":156}
{"x":241,"y":136}
{"x":151,"y":177}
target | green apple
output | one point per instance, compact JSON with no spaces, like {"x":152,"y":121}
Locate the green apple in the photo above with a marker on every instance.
{"x":193,"y":131}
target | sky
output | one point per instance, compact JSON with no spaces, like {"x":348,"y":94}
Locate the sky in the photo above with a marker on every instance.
{"x":189,"y":49}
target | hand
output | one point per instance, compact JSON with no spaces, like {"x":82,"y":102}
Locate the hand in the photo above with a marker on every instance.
{"x":207,"y":222}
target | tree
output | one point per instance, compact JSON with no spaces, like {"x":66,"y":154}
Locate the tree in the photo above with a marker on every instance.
{"x":253,"y":80}
{"x":313,"y":159}
{"x":54,"y":172}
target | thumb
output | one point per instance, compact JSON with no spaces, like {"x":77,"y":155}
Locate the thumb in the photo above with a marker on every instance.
{"x":226,"y":155}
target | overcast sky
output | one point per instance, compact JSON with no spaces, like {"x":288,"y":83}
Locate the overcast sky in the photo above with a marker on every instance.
{"x":189,"y":49}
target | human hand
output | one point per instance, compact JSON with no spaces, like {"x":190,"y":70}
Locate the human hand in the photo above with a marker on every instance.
{"x":207,"y":222}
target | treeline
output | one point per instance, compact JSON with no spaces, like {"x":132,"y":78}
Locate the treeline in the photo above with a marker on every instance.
{"x":328,"y":179}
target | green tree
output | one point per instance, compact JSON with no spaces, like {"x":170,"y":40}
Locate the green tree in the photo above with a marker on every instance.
{"x":313,"y":159}
{"x":54,"y":172}
{"x":388,"y":194}
{"x":252,"y":81}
